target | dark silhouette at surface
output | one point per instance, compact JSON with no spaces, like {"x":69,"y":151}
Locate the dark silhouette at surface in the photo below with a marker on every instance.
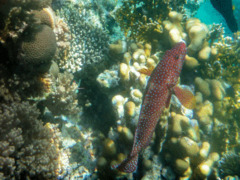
{"x":224,"y":7}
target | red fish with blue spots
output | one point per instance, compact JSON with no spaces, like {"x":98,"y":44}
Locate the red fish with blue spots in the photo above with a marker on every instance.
{"x":161,"y":85}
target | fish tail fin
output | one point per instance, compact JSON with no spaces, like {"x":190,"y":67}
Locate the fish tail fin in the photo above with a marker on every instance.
{"x":129,"y":165}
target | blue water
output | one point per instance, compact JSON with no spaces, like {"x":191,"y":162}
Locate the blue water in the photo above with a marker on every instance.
{"x":208,"y":15}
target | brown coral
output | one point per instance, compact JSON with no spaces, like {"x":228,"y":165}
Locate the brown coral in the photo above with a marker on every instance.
{"x":45,"y":16}
{"x":16,"y":17}
{"x":37,"y":48}
{"x":63,"y":98}
{"x":28,"y":150}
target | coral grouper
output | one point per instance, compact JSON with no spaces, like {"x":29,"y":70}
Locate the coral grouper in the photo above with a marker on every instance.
{"x":161,"y":85}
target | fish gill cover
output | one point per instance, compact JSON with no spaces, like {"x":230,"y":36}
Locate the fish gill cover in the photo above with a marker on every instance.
{"x":74,"y":87}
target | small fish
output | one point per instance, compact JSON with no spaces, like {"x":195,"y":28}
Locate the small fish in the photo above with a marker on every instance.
{"x":225,"y":7}
{"x":161,"y":85}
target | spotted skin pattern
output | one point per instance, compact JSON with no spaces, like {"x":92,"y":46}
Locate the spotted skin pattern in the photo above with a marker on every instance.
{"x":157,"y":96}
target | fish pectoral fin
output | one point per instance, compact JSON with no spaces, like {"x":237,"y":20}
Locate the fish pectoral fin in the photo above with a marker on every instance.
{"x":146,"y":71}
{"x":170,"y":86}
{"x":185,"y":96}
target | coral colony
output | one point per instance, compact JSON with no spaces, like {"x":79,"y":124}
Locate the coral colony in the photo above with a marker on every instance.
{"x":77,"y":92}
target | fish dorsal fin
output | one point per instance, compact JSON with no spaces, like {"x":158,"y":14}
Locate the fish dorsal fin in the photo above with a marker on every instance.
{"x":185,"y":96}
{"x":146,"y":71}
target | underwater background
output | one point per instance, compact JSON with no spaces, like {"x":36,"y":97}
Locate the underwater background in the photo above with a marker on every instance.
{"x":71,"y":89}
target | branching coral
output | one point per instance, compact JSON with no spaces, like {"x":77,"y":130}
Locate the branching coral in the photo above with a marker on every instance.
{"x":89,"y":41}
{"x":226,"y":64}
{"x":22,"y":84}
{"x":140,"y":18}
{"x":229,"y":165}
{"x":27,"y":148}
{"x":63,"y":97}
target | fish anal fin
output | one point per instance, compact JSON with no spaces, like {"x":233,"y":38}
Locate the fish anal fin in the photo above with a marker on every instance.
{"x":146,"y":71}
{"x":129,"y":165}
{"x":185,"y":96}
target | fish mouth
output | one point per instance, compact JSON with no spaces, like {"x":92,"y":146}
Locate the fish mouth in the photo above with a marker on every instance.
{"x":183,"y":41}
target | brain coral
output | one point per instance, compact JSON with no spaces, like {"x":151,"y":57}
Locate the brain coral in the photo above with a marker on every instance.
{"x":45,"y":16}
{"x":37,"y":47}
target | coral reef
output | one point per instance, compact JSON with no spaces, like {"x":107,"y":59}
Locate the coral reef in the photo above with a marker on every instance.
{"x":172,"y":28}
{"x":62,"y":98}
{"x":37,"y":46}
{"x":17,"y":17}
{"x":28,"y":149}
{"x":45,"y":16}
{"x":192,"y":147}
{"x":108,"y":79}
{"x":89,"y":41}
{"x":28,"y":46}
{"x":142,"y":19}
{"x":229,"y":165}
{"x":70,"y":100}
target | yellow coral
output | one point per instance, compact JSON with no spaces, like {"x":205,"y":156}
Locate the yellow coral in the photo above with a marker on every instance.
{"x":142,"y":19}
